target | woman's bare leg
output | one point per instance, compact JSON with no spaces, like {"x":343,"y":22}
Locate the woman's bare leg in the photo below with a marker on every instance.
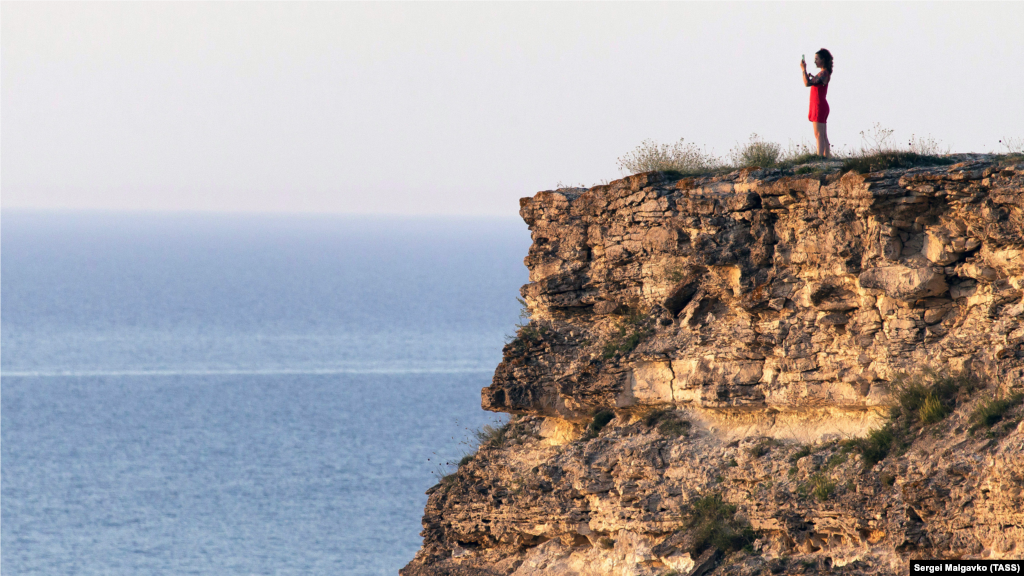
{"x":821,"y":137}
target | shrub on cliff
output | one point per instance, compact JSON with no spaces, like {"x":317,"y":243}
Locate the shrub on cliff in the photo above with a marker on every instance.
{"x":757,"y":153}
{"x":679,"y":157}
{"x":601,"y":419}
{"x":713,"y":522}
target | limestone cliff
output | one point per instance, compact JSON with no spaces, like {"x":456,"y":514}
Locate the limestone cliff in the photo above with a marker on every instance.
{"x":721,"y":343}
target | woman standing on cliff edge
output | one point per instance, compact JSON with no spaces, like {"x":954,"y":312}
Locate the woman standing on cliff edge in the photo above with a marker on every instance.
{"x":819,"y":107}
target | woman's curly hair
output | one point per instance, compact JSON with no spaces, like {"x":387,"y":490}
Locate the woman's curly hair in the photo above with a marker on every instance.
{"x":826,"y":58}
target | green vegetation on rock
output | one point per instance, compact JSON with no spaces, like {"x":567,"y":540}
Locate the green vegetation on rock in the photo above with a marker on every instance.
{"x":921,"y":399}
{"x":668,"y":423}
{"x":600,"y":420}
{"x":990,"y":412}
{"x":631,"y":330}
{"x":713,"y":522}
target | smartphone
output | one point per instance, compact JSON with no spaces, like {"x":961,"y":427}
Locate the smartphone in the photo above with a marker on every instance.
{"x":803,"y":58}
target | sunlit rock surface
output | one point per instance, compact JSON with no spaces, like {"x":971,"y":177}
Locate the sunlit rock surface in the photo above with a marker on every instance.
{"x":768,"y":312}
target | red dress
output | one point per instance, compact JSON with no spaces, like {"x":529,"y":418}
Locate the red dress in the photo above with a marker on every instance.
{"x":819,"y":106}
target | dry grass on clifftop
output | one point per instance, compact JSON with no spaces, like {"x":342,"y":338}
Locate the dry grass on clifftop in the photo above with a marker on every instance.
{"x":878,"y":151}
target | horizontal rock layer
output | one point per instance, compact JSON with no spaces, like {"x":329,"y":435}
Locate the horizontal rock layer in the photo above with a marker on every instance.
{"x":765,"y":309}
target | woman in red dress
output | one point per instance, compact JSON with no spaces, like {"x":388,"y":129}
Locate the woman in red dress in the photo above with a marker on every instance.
{"x":819,"y":106}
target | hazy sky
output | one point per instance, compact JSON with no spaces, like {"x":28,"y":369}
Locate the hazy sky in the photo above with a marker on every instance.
{"x":459,"y":108}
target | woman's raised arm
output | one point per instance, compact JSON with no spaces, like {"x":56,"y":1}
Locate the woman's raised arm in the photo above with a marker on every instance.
{"x":819,"y":79}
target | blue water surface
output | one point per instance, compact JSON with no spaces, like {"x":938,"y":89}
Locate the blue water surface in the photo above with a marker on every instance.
{"x":215,"y":394}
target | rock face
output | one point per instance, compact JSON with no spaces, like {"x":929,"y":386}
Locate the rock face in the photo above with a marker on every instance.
{"x":741,"y":332}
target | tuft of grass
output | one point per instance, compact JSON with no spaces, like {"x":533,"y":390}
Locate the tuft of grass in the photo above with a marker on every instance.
{"x":803,"y":451}
{"x":763,"y":447}
{"x":757,"y":152}
{"x":680,"y":158}
{"x":632,"y":329}
{"x":991,"y":412}
{"x":778,"y":565}
{"x":929,"y":396}
{"x":499,"y":434}
{"x":619,"y":342}
{"x":675,"y":427}
{"x":821,"y":487}
{"x":609,"y":350}
{"x":443,"y":474}
{"x":527,"y":333}
{"x":875,"y":446}
{"x":669,"y":423}
{"x":758,"y":450}
{"x":487,"y":436}
{"x":802,"y":153}
{"x":674,"y":274}
{"x":931,"y":410}
{"x":600,"y":420}
{"x":712,"y":522}
{"x":493,"y":436}
{"x":655,"y":416}
{"x":804,"y":158}
{"x":837,"y":460}
{"x":581,"y":187}
{"x":606,"y":543}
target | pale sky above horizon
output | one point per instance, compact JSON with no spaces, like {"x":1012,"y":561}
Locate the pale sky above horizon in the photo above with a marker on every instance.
{"x":461,"y":109}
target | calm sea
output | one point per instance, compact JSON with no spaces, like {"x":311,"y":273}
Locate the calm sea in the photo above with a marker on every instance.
{"x":198,"y":394}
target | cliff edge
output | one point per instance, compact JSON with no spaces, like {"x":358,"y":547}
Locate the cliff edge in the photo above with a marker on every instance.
{"x":761,"y":372}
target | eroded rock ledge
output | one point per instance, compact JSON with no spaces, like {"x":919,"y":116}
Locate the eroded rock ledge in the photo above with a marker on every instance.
{"x":769,"y":311}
